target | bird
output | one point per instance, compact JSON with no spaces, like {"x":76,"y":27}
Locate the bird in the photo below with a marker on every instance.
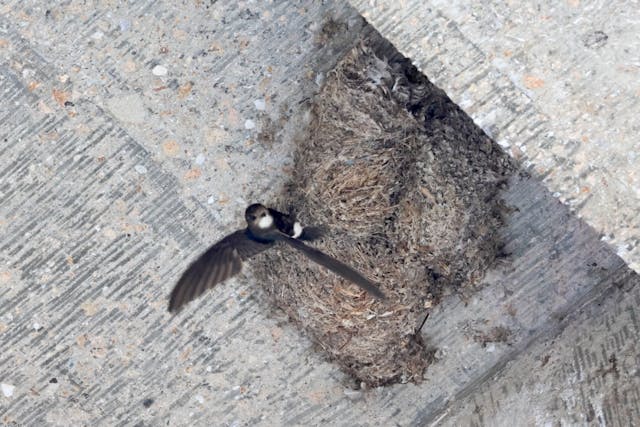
{"x":265,"y":228}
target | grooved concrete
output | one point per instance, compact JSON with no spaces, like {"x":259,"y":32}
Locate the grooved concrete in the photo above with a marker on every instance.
{"x":134,"y":135}
{"x":556,"y":84}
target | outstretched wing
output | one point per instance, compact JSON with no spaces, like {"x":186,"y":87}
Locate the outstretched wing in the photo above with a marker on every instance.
{"x":338,"y":267}
{"x":218,"y":263}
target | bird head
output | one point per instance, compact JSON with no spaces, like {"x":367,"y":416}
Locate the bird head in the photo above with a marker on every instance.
{"x":258,"y":217}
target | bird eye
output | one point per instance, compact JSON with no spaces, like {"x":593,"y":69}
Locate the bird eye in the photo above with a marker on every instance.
{"x":262,"y":215}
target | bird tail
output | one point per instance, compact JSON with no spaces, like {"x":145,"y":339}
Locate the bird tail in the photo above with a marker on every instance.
{"x":310,"y":233}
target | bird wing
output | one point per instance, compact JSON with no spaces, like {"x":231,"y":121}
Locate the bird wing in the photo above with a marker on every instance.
{"x":218,"y":263}
{"x":338,"y":267}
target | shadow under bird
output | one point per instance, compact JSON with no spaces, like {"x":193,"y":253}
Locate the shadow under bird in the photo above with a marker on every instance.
{"x":265,"y":227}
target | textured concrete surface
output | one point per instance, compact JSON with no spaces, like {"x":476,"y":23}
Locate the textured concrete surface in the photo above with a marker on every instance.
{"x":132,"y":138}
{"x":134,"y":135}
{"x":555,"y":83}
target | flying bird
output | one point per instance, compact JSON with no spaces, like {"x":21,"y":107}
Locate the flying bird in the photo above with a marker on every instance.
{"x":265,"y":227}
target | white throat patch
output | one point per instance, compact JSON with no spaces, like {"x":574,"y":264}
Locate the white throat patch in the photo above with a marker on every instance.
{"x":265,"y":222}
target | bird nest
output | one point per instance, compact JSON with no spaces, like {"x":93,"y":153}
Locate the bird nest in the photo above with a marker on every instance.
{"x":406,"y":186}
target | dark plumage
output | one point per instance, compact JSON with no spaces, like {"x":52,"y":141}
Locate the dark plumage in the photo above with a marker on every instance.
{"x":264,"y":228}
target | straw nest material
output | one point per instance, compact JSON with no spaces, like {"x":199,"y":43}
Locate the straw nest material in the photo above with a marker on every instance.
{"x":405,"y":185}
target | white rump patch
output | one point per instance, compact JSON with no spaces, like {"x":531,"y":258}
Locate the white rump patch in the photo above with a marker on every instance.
{"x":265,"y":222}
{"x":297,"y":230}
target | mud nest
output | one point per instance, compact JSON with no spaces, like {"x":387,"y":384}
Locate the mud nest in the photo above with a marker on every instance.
{"x":406,"y":186}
